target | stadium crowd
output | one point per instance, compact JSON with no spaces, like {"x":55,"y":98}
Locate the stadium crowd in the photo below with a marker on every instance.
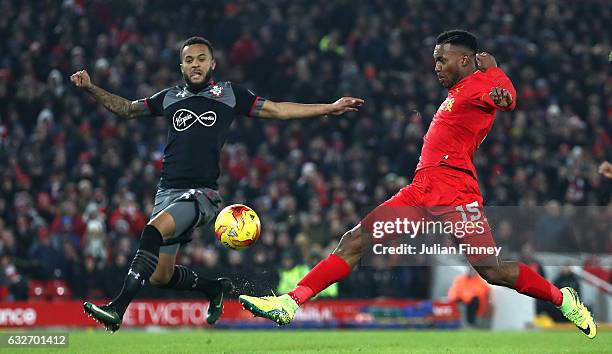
{"x":77,"y":183}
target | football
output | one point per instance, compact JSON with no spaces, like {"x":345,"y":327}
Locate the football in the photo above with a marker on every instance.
{"x":237,"y":227}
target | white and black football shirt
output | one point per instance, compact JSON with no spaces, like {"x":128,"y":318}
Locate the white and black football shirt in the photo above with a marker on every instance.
{"x":199,"y":122}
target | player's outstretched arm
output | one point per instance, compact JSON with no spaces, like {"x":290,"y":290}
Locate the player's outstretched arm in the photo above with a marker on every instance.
{"x":118,"y":105}
{"x":290,"y":110}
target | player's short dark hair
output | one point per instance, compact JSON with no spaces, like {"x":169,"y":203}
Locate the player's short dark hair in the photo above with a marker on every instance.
{"x":461,"y":38}
{"x":197,"y":40}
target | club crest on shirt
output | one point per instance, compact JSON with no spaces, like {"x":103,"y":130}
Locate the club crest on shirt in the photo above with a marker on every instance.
{"x":217,"y":91}
{"x":447,"y":105}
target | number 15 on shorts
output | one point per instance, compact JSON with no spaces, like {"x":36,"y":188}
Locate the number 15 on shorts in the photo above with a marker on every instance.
{"x":470,"y":210}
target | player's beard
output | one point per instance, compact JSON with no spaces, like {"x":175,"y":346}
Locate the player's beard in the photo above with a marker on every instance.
{"x":197,"y":86}
{"x":449,"y":82}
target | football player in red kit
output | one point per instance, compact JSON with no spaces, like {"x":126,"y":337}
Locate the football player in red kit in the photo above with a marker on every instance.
{"x":444,"y":187}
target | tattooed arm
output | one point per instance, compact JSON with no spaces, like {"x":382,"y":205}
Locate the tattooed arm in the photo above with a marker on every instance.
{"x":118,"y":105}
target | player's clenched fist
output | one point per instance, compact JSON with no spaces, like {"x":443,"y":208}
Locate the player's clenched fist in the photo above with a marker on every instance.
{"x":501,"y":97}
{"x":81,"y":79}
{"x":606,"y":169}
{"x":484,"y":61}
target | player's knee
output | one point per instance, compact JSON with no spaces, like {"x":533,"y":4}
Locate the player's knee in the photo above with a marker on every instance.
{"x":160,"y":278}
{"x":492,"y":275}
{"x":176,"y":219}
{"x":164,"y":223}
{"x":350,"y":244}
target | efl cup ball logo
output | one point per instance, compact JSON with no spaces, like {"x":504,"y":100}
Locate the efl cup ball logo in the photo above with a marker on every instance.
{"x":237,"y":227}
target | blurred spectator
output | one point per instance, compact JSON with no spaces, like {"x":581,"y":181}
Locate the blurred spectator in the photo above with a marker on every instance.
{"x":553,"y":231}
{"x":567,"y":278}
{"x":48,"y":259}
{"x":90,"y":281}
{"x":117,"y":270}
{"x":94,"y":242}
{"x":72,"y":265}
{"x":472,"y":291}
{"x":17,"y":285}
{"x":128,"y":212}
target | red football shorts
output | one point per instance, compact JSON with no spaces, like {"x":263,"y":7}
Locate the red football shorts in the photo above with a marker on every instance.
{"x":436,"y":194}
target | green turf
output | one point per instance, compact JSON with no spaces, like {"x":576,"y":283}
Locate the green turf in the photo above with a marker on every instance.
{"x":330,"y":341}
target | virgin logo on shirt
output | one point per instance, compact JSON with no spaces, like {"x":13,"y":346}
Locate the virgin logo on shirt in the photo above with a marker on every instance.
{"x":183,"y":119}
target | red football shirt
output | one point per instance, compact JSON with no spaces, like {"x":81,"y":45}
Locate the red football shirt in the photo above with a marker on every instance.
{"x":463,"y":121}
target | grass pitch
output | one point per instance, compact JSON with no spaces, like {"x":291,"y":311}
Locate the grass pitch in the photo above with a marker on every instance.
{"x":329,"y":341}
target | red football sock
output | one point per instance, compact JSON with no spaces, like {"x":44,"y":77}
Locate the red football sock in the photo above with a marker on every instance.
{"x":533,"y":284}
{"x":328,"y":271}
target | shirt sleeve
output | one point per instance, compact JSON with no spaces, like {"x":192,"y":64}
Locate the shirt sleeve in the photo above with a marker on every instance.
{"x":154,"y":104}
{"x":497,"y":79}
{"x":247,"y":103}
